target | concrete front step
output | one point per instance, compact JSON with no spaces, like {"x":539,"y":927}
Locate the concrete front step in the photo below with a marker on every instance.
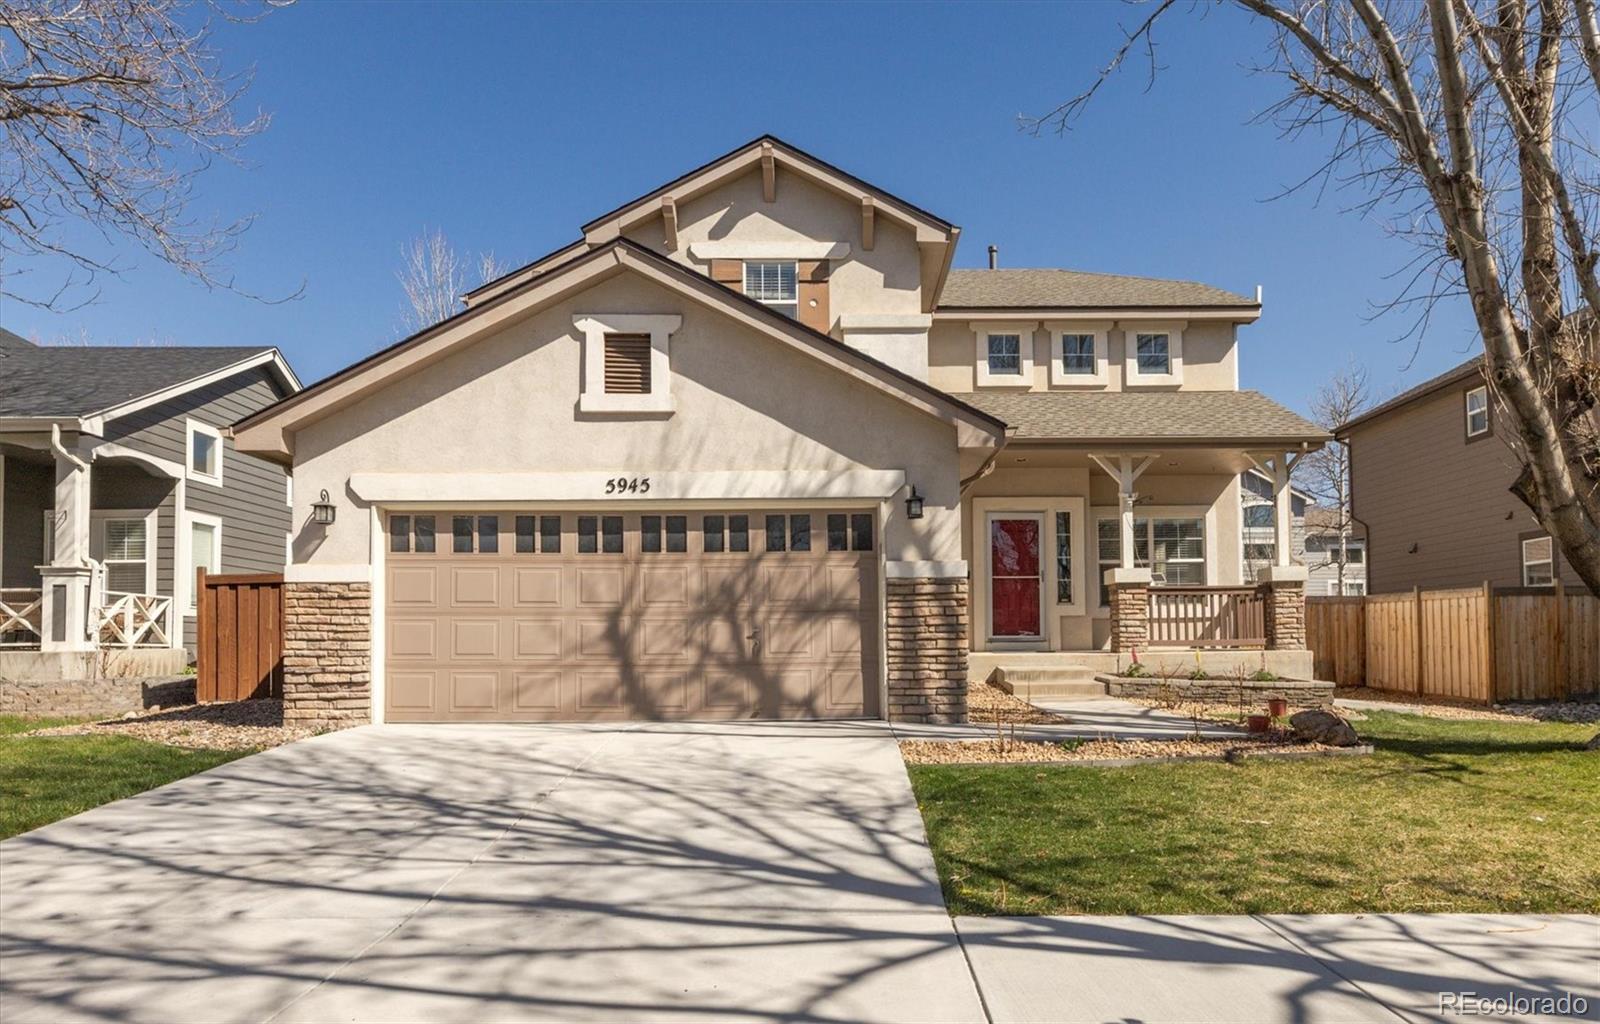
{"x":1057,"y":681}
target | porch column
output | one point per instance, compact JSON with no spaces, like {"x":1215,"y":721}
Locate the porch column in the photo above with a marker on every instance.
{"x":1283,"y":518}
{"x":67,"y":580}
{"x":1128,"y":585}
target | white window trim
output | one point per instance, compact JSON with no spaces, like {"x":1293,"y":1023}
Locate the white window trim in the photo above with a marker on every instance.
{"x":191,"y":428}
{"x":744,"y":282}
{"x":1551,"y":561}
{"x":97,"y":524}
{"x":1466,"y":410}
{"x":1021,"y":379}
{"x":1101,"y":331}
{"x":1173,"y":329}
{"x":186,"y":554}
{"x":592,"y":397}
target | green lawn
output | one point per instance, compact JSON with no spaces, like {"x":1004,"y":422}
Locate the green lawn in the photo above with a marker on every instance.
{"x":1445,"y":816}
{"x":46,"y":778}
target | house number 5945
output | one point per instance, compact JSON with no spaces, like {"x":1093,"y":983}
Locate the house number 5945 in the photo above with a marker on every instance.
{"x":628,"y":485}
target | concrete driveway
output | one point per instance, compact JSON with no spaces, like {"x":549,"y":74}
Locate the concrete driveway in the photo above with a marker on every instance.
{"x":640,"y":873}
{"x":472,"y":873}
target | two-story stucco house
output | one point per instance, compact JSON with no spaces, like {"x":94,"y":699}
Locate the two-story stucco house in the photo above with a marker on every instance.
{"x":753,"y":447}
{"x":118,"y":480}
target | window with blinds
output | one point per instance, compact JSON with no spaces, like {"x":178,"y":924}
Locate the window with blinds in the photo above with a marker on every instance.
{"x":775,"y":283}
{"x":627,"y":364}
{"x":125,"y":555}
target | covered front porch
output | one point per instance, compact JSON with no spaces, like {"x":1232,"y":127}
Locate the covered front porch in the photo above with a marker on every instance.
{"x":83,"y":525}
{"x":1090,"y":552}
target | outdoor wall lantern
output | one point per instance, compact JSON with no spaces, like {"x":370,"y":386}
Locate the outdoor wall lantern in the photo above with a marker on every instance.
{"x":322,"y":511}
{"x":914,"y":504}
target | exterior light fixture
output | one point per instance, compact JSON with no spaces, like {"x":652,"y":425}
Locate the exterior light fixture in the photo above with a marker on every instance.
{"x":322,"y":511}
{"x":914,"y":504}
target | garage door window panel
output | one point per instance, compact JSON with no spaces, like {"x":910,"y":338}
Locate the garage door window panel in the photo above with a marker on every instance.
{"x":399,"y":534}
{"x":800,"y":533}
{"x":777,"y":534}
{"x":422,"y":535}
{"x":861,"y":533}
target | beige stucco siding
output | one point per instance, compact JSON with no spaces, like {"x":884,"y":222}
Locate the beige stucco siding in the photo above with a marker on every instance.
{"x":508,"y":404}
{"x":1210,"y":356}
{"x":882,"y":280}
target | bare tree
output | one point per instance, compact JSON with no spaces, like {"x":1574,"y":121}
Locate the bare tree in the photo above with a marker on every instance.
{"x":1325,"y":473}
{"x":1459,"y":123}
{"x":108,"y":111}
{"x":434,"y":277}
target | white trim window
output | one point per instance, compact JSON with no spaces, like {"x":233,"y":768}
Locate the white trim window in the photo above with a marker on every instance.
{"x":1177,"y":539}
{"x":1538,"y":562}
{"x":1005,"y":354}
{"x":1354,"y":588}
{"x":774,"y":283}
{"x":1153,"y":353}
{"x":205,"y":548}
{"x":126,"y":548}
{"x":203,"y":450}
{"x":1078,"y":354}
{"x":651,"y":393}
{"x":1477,"y":409}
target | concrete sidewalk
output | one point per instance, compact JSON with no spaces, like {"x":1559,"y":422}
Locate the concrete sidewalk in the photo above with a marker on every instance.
{"x":1091,"y":718}
{"x":1332,"y":969}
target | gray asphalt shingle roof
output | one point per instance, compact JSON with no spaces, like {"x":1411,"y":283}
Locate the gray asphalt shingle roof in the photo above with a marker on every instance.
{"x":1231,"y":416}
{"x":48,"y":380}
{"x":1059,"y":289}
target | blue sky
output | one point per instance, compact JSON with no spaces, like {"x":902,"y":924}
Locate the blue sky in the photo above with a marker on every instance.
{"x":508,"y":125}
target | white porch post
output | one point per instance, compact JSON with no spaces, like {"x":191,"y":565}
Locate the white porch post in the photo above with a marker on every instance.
{"x":1128,"y":586}
{"x":66,"y":580}
{"x":1283,"y":520}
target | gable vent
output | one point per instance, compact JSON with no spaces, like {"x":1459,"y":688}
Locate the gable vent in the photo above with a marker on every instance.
{"x":627,"y":364}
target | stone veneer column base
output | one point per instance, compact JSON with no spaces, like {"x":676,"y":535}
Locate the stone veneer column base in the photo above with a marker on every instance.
{"x":327,"y":653}
{"x":1130,"y":608}
{"x":925,"y":631}
{"x":1285,"y":609}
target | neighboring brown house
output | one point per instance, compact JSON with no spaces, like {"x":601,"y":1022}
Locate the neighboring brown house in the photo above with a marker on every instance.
{"x":1430,"y":478}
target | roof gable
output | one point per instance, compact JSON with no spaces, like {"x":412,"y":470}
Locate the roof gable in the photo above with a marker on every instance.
{"x":269,"y":432}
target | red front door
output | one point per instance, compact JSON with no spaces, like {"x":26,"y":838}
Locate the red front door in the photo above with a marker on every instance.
{"x":1014,"y":566}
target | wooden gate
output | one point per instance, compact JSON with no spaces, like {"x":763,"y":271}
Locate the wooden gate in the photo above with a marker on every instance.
{"x":239,"y":636}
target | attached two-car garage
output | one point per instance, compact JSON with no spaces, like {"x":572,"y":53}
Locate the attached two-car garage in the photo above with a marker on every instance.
{"x":544,"y":615}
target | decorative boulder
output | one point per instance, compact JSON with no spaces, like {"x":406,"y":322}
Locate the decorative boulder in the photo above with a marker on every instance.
{"x":1594,"y":743}
{"x":1322,"y":726}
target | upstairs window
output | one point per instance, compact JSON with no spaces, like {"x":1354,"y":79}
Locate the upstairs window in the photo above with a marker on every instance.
{"x":205,"y":453}
{"x":1005,"y":353}
{"x":1153,"y":353}
{"x":1259,"y":516}
{"x":774,"y":283}
{"x":1077,"y":355}
{"x":1538,"y":562}
{"x":627,"y":364}
{"x":1477,"y":412}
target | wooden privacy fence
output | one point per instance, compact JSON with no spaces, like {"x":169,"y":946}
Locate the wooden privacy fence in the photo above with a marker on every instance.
{"x":1475,"y":643}
{"x":1207,"y":617}
{"x":239,"y":636}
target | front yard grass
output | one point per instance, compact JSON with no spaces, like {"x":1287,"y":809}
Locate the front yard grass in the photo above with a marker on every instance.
{"x":1446,"y":816}
{"x":46,"y":778}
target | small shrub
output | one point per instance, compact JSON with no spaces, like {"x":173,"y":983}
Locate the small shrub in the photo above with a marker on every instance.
{"x":1264,"y":676}
{"x":1069,"y":745}
{"x":1199,"y":675}
{"x":1136,"y":670}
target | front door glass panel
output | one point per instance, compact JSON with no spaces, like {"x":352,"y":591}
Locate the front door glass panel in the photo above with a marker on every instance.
{"x":1014,"y":566}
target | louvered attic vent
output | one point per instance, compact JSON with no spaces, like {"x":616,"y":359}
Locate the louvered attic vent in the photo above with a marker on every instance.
{"x":627,"y":364}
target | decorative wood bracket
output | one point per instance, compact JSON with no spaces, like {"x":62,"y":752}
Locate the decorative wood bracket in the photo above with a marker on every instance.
{"x":868,"y":216}
{"x":669,"y":219}
{"x":769,"y":173}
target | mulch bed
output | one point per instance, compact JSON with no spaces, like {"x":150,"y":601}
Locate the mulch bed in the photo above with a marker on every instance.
{"x":1028,"y":752}
{"x":986,"y":702}
{"x":235,"y":725}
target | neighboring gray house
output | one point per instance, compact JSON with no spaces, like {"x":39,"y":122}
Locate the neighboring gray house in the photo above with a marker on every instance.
{"x":1315,"y":544}
{"x":118,"y":478}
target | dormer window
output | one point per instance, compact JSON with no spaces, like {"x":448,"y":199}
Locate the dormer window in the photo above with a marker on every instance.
{"x":774,"y":283}
{"x":626,"y":365}
{"x":1005,"y":353}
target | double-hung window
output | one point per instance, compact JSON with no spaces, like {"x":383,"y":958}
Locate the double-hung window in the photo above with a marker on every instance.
{"x":1154,"y":353}
{"x":127,"y":558}
{"x":204,"y":460}
{"x":1538,"y":562}
{"x":1477,"y":412}
{"x":773,"y":283}
{"x":1077,"y":355}
{"x":1173,"y":548}
{"x":1005,"y":354}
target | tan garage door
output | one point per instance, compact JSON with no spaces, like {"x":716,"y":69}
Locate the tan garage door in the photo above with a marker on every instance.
{"x":496,"y":616}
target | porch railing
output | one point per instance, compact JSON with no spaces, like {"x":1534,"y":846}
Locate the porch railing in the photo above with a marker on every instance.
{"x":21,"y":616}
{"x":1207,"y":617}
{"x":134,"y":620}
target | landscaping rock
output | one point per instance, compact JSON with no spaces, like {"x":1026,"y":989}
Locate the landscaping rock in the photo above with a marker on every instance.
{"x":1594,"y":742}
{"x":1325,"y":727}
